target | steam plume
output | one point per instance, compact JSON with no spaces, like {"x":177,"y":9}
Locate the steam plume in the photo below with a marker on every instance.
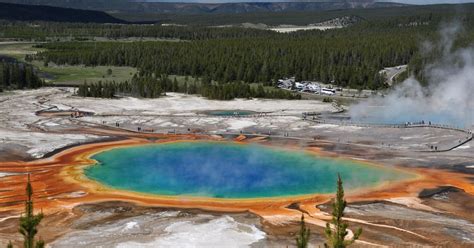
{"x":448,"y":98}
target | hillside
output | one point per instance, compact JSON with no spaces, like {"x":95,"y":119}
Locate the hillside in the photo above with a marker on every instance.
{"x":403,"y":14}
{"x":125,"y":6}
{"x":20,"y":12}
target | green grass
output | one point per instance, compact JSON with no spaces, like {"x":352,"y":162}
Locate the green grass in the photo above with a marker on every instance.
{"x":17,"y":50}
{"x":67,"y":75}
{"x":75,"y":75}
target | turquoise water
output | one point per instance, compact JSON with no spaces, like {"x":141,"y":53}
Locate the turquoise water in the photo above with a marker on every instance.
{"x":230,"y":112}
{"x":228,"y":170}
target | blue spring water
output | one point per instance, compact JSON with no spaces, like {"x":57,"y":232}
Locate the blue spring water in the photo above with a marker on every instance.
{"x":229,"y":170}
{"x":230,"y":112}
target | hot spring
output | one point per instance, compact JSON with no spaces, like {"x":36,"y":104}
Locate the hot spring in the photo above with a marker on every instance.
{"x":230,"y":112}
{"x":230,"y":170}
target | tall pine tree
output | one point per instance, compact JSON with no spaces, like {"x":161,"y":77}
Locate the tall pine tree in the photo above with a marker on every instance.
{"x":303,"y":235}
{"x":29,"y":222}
{"x":337,"y":233}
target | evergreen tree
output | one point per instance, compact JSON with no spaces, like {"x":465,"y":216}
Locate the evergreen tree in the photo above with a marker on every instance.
{"x":29,"y":222}
{"x":303,"y":235}
{"x":15,"y":75}
{"x":336,"y":235}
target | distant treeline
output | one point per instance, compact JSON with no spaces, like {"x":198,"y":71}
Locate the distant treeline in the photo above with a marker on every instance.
{"x":416,"y":20}
{"x":347,"y":57}
{"x":282,"y":15}
{"x":350,"y":57}
{"x":18,"y":76}
{"x":83,"y":31}
{"x":139,"y":86}
{"x":397,"y":15}
{"x":148,"y":86}
{"x":352,"y":61}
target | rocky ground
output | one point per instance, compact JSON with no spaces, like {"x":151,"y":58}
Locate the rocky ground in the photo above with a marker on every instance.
{"x":435,"y":217}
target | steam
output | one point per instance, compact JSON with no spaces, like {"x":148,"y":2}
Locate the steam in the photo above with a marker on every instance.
{"x":448,"y":98}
